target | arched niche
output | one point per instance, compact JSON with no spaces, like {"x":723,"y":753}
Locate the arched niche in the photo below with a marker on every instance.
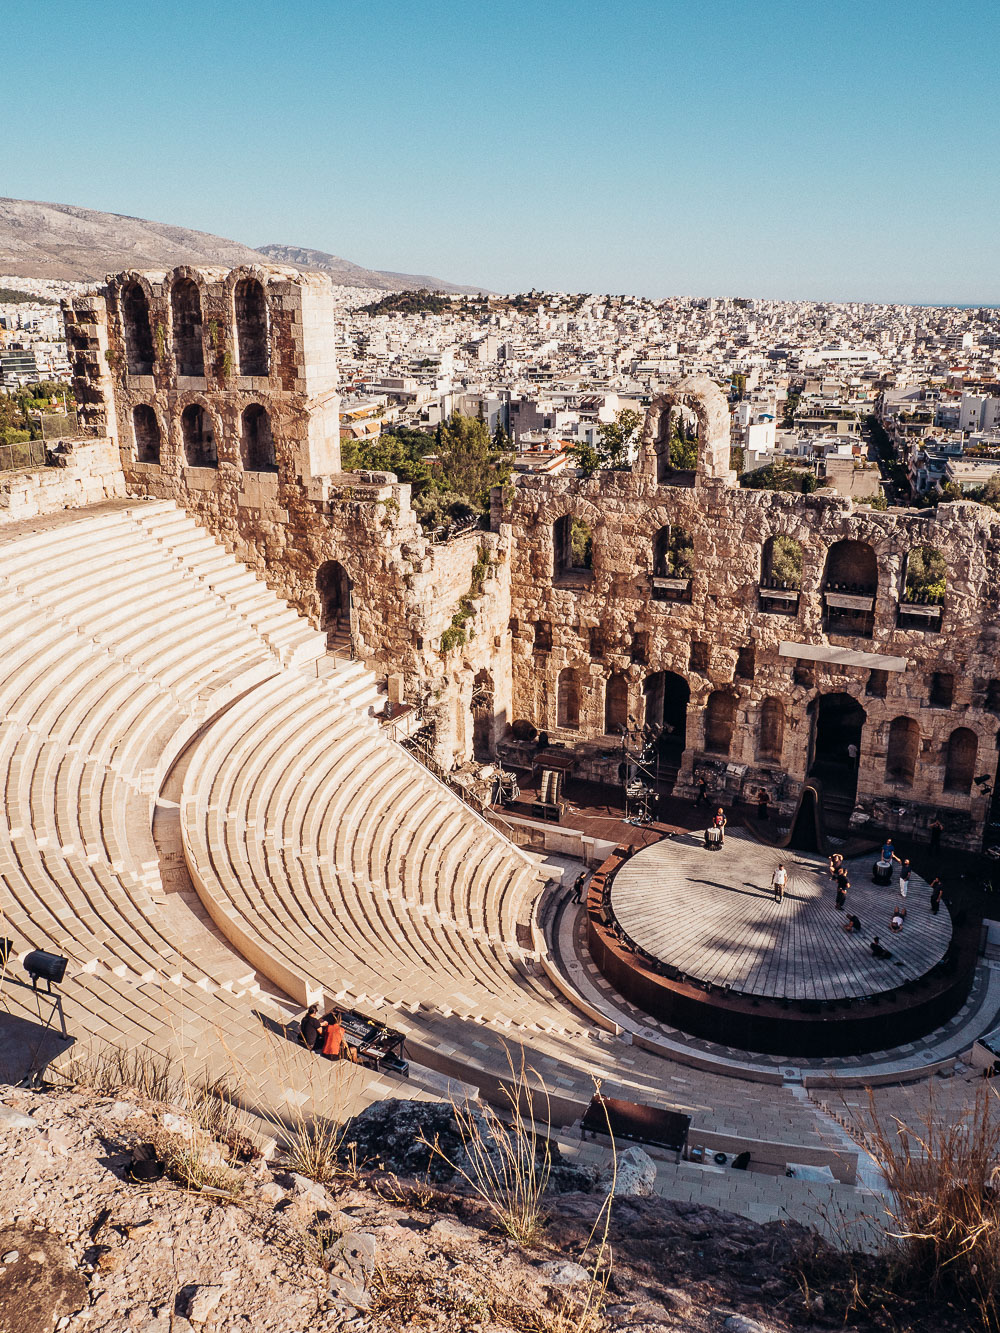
{"x":902,"y":751}
{"x":198,"y":437}
{"x":720,"y":719}
{"x":615,"y":703}
{"x":771,"y":731}
{"x":961,"y":751}
{"x":185,"y":316}
{"x":568,"y":699}
{"x":256,"y":440}
{"x":146,"y":431}
{"x":250,"y":306}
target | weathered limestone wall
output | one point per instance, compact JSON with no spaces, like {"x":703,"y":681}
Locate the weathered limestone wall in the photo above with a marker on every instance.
{"x":84,"y":472}
{"x":290,"y":517}
{"x":701,"y":639}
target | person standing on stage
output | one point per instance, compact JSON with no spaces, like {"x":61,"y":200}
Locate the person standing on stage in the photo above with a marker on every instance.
{"x":905,"y":871}
{"x":842,"y":887}
{"x":720,"y":822}
{"x":937,"y":893}
{"x":778,"y":881}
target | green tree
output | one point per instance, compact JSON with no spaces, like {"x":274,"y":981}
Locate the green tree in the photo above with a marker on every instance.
{"x":615,"y":442}
{"x":926,"y":574}
{"x":786,"y":561}
{"x":501,"y":440}
{"x":740,"y":384}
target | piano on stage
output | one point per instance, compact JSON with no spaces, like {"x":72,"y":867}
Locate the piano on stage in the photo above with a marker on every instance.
{"x":375,"y":1044}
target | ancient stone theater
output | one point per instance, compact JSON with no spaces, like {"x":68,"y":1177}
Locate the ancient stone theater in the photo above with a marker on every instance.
{"x":247,"y":768}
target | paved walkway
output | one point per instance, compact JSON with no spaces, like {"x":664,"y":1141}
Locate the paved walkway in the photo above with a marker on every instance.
{"x":713,"y":916}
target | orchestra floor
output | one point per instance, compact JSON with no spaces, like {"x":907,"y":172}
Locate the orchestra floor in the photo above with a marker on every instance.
{"x":712,"y":914}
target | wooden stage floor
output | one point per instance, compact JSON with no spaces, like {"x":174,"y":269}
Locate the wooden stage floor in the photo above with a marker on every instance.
{"x":713,"y":916}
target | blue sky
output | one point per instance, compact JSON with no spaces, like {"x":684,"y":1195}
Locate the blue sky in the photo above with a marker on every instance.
{"x":828,"y":149}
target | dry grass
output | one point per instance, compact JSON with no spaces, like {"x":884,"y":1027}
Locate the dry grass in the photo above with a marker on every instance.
{"x":944,"y":1216}
{"x":507,"y":1166}
{"x":319,"y":1098}
{"x":113,"y":1071}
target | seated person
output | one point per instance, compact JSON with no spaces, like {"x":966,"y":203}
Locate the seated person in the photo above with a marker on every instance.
{"x":335,"y":1043}
{"x":879,"y":950}
{"x":852,"y":925}
{"x":309,"y":1026}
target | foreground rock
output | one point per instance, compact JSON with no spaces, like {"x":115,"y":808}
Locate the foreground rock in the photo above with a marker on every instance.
{"x":263,"y":1249}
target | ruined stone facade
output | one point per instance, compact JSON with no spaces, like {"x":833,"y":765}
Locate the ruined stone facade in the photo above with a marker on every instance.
{"x":220,"y":388}
{"x":916,"y":684}
{"x":643,"y":596}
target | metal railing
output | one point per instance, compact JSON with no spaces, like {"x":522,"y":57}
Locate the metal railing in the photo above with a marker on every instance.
{"x":484,"y":811}
{"x":20,"y":457}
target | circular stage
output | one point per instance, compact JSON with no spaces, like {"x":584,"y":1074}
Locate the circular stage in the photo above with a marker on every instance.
{"x":695,"y":938}
{"x":712,"y":915}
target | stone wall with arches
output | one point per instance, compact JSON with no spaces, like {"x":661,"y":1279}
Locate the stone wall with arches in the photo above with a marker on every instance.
{"x":836,"y":616}
{"x":220,"y":389}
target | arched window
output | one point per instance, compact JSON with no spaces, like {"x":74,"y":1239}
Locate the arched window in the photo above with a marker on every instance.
{"x":198,"y":437}
{"x":251,"y":327}
{"x":720,"y":715}
{"x":677,"y":445}
{"x":138,"y":333}
{"x":257,"y":443}
{"x":333,"y":584}
{"x":960,"y":760}
{"x":673,"y":553}
{"x":902,"y":751}
{"x":851,"y":567}
{"x":849,"y":589}
{"x":615,"y":703}
{"x":572,"y":548}
{"x":146,"y":430}
{"x":771,"y":731}
{"x":568,"y":700}
{"x":781,"y":563}
{"x":185,"y":311}
{"x":926,"y":576}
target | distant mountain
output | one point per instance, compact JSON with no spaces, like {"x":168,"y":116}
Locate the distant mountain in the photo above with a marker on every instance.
{"x":345,"y":273}
{"x":61,"y":241}
{"x":39,"y":240}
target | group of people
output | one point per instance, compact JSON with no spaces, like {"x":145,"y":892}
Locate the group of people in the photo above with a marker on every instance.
{"x":326,"y":1035}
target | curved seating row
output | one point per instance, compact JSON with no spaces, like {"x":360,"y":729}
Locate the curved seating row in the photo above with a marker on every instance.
{"x":345,"y":865}
{"x":113,"y":653}
{"x":342,"y":869}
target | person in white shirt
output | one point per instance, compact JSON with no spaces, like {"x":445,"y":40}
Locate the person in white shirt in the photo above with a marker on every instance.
{"x":778,"y":881}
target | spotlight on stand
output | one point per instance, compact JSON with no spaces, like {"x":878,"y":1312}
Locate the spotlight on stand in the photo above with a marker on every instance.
{"x":47,"y":967}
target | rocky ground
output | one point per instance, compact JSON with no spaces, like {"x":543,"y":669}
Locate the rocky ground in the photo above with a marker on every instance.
{"x":227,"y":1241}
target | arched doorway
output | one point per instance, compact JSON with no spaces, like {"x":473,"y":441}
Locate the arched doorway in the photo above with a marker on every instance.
{"x":666,"y":696}
{"x":838,"y":722}
{"x":334,"y":587}
{"x":483,"y":714}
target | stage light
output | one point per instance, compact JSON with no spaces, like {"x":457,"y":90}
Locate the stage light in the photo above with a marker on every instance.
{"x":47,"y":967}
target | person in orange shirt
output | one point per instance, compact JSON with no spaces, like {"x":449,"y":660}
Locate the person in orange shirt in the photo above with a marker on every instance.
{"x":335,"y":1043}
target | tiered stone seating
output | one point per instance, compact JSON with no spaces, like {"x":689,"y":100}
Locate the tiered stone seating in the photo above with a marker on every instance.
{"x":100,"y":688}
{"x":326,"y":856}
{"x":341,"y":867}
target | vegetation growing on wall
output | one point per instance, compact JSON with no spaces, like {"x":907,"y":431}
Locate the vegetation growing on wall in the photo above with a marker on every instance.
{"x":19,"y":411}
{"x":456,"y":634}
{"x":451,"y":473}
{"x":780,"y":476}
